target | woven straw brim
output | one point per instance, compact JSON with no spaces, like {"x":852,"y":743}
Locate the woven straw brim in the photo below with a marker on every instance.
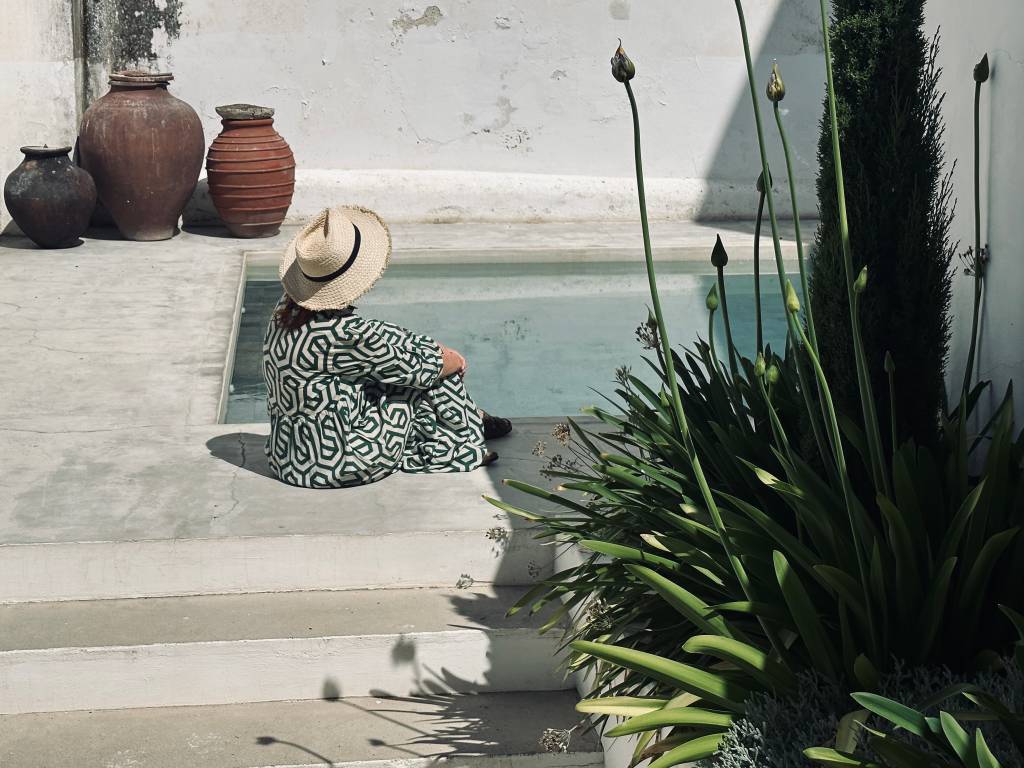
{"x":372,"y":260}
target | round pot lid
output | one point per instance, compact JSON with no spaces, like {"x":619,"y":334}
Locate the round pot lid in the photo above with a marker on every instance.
{"x":44,"y":151}
{"x":141,"y":77}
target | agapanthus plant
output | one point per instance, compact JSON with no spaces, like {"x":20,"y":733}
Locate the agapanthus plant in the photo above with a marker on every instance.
{"x":741,"y":529}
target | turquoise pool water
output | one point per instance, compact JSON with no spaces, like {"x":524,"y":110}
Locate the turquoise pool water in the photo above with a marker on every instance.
{"x":539,"y":337}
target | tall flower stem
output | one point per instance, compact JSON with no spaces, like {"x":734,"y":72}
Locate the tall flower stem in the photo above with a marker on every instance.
{"x":867,"y":398}
{"x":759,"y":332}
{"x":680,"y":414}
{"x":844,"y":475}
{"x":804,"y":288}
{"x":733,"y":367}
{"x":711,"y":339}
{"x":979,"y":266}
{"x":776,"y":242}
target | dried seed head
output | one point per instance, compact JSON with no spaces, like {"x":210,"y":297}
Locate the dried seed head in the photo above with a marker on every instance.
{"x":623,"y":68}
{"x":711,"y":302}
{"x":555,"y":740}
{"x":981,"y":70}
{"x":776,"y":89}
{"x":718,"y":255}
{"x":561,"y":433}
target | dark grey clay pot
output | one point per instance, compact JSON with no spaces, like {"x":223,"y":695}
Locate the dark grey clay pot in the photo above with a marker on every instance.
{"x":50,"y":198}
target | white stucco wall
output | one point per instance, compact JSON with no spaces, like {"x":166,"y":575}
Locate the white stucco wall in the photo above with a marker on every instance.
{"x":465,"y":104}
{"x":37,"y":79}
{"x":969,"y":30}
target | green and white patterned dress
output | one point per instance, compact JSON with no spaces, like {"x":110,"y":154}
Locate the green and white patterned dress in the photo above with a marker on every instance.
{"x":353,"y":400}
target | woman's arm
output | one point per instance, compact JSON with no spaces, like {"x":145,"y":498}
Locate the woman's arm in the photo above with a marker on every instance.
{"x":453,"y":362}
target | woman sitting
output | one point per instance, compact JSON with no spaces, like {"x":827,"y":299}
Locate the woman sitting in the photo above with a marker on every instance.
{"x":353,"y":400}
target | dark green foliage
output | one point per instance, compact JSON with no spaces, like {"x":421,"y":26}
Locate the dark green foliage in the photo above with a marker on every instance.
{"x":899,"y":210}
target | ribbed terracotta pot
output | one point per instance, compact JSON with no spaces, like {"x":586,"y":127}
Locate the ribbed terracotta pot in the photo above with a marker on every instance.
{"x":251,"y":171}
{"x":49,"y":197}
{"x":144,"y":148}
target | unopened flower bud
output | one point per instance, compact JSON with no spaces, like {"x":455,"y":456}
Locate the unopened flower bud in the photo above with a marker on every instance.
{"x":711,"y":302}
{"x":792,"y":300}
{"x":623,"y":68}
{"x":772,"y":374}
{"x":889,"y":364}
{"x":718,"y":255}
{"x":981,"y":70}
{"x":760,"y":181}
{"x":759,"y":365}
{"x":862,"y":281}
{"x":776,"y":89}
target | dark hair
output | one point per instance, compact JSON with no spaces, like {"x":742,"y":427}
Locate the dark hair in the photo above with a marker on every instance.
{"x":290,"y":315}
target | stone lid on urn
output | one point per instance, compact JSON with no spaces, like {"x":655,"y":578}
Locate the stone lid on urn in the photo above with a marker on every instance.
{"x":245,"y":112}
{"x":44,"y":151}
{"x":140,"y":78}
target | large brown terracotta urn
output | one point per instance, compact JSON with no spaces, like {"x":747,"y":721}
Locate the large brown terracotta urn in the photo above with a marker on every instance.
{"x":49,"y":197}
{"x":144,"y":148}
{"x":251,"y":171}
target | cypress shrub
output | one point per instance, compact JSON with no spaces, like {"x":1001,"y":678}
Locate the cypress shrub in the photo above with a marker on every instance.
{"x":898,"y":199}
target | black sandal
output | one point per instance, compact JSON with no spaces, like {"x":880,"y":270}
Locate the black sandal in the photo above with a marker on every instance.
{"x":495,"y":426}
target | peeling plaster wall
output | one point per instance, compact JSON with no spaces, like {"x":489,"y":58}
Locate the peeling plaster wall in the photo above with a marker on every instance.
{"x":996,"y":27}
{"x":37,"y":72}
{"x":522,"y":86}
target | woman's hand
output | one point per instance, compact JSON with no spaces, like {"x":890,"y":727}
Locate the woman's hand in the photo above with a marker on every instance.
{"x":453,"y":362}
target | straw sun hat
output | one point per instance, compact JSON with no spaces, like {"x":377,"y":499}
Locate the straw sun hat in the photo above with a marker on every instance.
{"x":335,"y":258}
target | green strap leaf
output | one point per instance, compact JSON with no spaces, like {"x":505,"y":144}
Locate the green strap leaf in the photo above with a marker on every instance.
{"x":935,"y":606}
{"x":896,"y":713}
{"x":959,"y":739}
{"x":709,"y":686}
{"x":751,"y":660}
{"x":828,"y":756}
{"x":846,"y":733}
{"x":668,"y":718}
{"x":984,"y":755}
{"x":685,"y":602}
{"x":808,"y":625}
{"x":695,"y":749}
{"x":845,"y":587}
{"x":621,"y":706}
{"x":622,"y":552}
{"x":755,"y":608}
{"x":971,"y":595}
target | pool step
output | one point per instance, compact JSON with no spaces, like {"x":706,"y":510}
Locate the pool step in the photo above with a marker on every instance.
{"x":226,"y":649}
{"x":481,"y":731}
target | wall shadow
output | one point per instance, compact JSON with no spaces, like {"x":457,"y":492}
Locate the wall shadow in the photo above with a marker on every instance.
{"x":793,"y":36}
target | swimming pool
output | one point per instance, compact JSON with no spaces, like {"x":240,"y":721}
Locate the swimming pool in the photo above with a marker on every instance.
{"x":539,"y":337}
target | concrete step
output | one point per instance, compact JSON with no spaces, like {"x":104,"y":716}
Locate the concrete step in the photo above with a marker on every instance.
{"x":195,"y":512}
{"x":226,"y":649}
{"x":483,"y":731}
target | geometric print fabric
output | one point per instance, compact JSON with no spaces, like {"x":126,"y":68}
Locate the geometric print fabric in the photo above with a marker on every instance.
{"x":352,"y":400}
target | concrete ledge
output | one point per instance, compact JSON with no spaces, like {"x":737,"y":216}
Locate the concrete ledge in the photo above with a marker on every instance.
{"x":444,"y":197}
